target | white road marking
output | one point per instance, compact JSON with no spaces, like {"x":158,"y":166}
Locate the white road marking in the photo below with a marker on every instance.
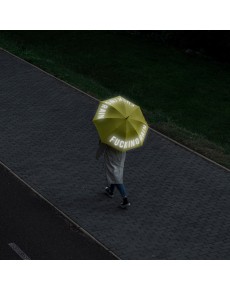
{"x":17,"y":250}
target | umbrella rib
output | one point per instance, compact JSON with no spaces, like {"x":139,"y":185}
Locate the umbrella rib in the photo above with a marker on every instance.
{"x":114,"y":129}
{"x":134,"y":128}
{"x":135,"y":120}
{"x":111,"y":105}
{"x":136,"y":108}
{"x":112,"y":118}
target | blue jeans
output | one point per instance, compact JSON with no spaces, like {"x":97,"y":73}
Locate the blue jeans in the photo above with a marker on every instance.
{"x":121,"y":189}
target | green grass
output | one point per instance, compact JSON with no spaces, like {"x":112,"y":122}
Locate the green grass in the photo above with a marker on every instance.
{"x":187,"y":98}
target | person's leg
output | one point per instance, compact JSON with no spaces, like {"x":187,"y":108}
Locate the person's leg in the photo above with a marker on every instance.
{"x":109,"y":190}
{"x":124,"y":195}
{"x":112,"y":187}
{"x":122,"y":190}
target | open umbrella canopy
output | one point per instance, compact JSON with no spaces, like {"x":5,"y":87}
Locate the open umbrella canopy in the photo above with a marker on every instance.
{"x":120,"y":124}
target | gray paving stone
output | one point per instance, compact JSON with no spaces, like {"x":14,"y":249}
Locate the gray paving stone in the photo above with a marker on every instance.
{"x":180,"y":201}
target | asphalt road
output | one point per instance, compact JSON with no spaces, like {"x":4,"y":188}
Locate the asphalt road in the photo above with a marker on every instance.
{"x":30,"y":228}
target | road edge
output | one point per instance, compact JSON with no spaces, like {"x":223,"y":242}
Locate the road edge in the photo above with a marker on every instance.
{"x":59,"y":211}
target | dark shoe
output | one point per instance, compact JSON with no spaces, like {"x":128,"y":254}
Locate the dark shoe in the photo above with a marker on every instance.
{"x":125,"y":203}
{"x":108,"y":192}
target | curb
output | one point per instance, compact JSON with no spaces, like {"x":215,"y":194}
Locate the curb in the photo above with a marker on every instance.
{"x":189,"y":149}
{"x":60,"y":212}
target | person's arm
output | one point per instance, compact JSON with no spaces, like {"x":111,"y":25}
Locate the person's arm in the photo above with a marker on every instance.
{"x":100,"y":150}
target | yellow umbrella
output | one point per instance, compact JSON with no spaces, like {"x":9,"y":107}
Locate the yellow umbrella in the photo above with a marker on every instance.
{"x":120,"y":124}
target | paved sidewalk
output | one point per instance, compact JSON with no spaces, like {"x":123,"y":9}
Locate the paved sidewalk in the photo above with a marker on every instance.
{"x":180,"y":201}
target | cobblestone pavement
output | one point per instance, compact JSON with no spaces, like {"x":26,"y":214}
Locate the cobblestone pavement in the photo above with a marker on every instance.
{"x":180,"y":201}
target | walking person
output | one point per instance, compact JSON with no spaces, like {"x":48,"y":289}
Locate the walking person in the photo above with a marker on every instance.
{"x":114,"y":166}
{"x":121,"y":126}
